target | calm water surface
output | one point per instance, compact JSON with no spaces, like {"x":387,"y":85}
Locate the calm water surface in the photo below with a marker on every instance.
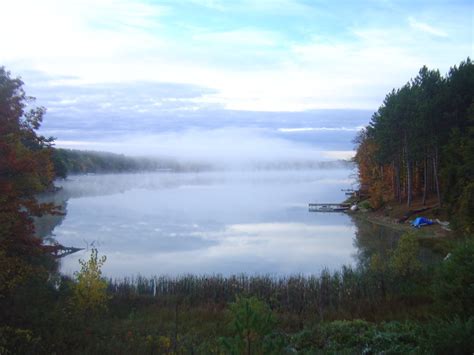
{"x":208,"y":223}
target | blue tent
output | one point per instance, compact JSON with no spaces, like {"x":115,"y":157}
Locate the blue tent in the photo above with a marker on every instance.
{"x":421,"y":221}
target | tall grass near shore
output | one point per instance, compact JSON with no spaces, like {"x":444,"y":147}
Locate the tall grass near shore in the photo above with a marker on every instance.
{"x":389,"y":304}
{"x":394,"y":283}
{"x":350,"y":293}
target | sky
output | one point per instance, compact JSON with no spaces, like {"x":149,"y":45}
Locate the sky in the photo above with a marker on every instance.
{"x":113,"y":74}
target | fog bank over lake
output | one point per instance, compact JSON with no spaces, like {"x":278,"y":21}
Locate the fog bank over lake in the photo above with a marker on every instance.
{"x":247,"y":214}
{"x":221,"y":222}
{"x":227,"y":139}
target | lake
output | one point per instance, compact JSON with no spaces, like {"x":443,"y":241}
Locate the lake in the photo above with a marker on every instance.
{"x":224,"y":222}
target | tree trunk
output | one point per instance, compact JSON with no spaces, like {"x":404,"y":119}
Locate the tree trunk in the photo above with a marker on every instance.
{"x":399,"y":188}
{"x":435,"y":172}
{"x":394,"y":181}
{"x":429,"y":182}
{"x":383,"y":288}
{"x":409,"y":172}
{"x":409,"y":183}
{"x":425,"y":178}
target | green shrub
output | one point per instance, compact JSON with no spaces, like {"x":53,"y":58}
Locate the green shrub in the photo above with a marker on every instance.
{"x":365,"y":205}
{"x":453,"y":286}
{"x":455,"y":336}
{"x":252,"y":323}
{"x":358,"y":337}
{"x":404,"y":260}
{"x":18,"y":341}
{"x":465,"y":213}
{"x":89,"y":295}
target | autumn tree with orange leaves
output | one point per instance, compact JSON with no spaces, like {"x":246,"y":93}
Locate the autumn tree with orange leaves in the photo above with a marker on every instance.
{"x":25,"y":171}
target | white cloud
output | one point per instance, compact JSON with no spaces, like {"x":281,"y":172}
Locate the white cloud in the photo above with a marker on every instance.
{"x":61,"y":38}
{"x":319,"y":129}
{"x":241,"y":37}
{"x":294,"y":7}
{"x":249,"y":68}
{"x":424,"y":27}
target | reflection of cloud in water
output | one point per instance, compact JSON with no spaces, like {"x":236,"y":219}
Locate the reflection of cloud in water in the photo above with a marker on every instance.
{"x":286,"y":242}
{"x":253,"y":222}
{"x":108,"y":184}
{"x":275,"y":248}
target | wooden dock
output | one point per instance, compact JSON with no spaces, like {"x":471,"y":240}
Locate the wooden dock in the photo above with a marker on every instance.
{"x":328,"y":207}
{"x":60,"y":251}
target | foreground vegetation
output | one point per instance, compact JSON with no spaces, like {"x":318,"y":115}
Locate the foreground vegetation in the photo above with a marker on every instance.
{"x":391,"y":303}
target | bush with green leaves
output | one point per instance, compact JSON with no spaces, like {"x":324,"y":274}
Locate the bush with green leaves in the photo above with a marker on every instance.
{"x":453,"y":286}
{"x":253,"y":325}
{"x":365,"y":205}
{"x":465,"y":213}
{"x":90,"y":290}
{"x":410,"y":337}
{"x":357,"y":337}
{"x":453,"y":336}
{"x":404,"y":260}
{"x":18,"y":341}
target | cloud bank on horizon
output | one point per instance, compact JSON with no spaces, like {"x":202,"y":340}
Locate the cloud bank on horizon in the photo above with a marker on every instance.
{"x":105,"y":67}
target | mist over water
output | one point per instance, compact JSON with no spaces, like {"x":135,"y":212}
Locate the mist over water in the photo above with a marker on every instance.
{"x":245,"y":211}
{"x":219,"y":222}
{"x":221,"y":138}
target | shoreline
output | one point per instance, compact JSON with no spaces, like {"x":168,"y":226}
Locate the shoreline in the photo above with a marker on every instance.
{"x":371,"y":217}
{"x":433,"y":232}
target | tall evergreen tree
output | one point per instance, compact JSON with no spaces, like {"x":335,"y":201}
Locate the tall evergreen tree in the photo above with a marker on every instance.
{"x":420,"y":138}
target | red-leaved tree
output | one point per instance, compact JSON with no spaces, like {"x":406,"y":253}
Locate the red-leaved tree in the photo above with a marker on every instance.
{"x":25,"y":171}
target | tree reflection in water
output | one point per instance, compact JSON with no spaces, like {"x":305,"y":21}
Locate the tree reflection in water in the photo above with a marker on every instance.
{"x":371,"y":238}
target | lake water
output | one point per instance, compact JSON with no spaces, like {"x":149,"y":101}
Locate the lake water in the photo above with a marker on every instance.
{"x":168,"y":223}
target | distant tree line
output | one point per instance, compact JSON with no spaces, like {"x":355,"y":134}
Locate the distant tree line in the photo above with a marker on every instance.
{"x":296,"y":164}
{"x":420,"y":144}
{"x":71,"y":161}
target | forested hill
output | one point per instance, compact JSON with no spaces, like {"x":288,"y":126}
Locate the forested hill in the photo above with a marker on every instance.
{"x":70,"y":161}
{"x":420,"y":144}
